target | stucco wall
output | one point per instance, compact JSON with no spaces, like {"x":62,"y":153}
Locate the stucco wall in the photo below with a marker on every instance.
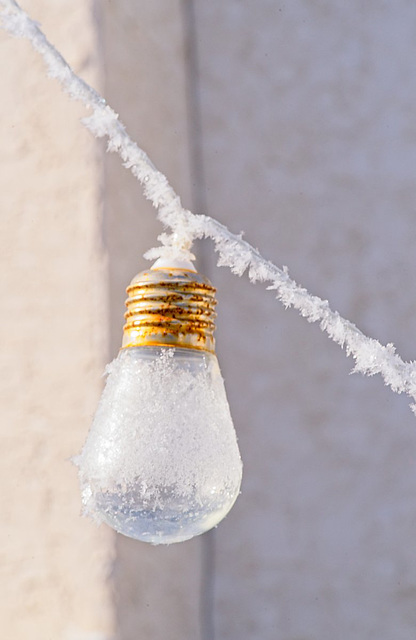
{"x":157,"y":590}
{"x":294,"y":123}
{"x":305,"y":134}
{"x":54,"y":565}
{"x":309,"y":141}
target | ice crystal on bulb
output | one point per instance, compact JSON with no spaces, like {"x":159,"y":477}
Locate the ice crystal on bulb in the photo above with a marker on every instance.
{"x":161,"y":462}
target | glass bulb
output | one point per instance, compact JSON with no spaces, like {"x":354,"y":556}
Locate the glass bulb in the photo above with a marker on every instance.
{"x":162,"y":459}
{"x":161,"y":462}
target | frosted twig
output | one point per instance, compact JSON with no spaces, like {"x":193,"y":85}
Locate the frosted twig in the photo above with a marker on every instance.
{"x":370,"y":356}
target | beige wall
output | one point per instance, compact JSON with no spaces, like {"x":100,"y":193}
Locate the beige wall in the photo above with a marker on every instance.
{"x":309,"y":142}
{"x":157,"y":590}
{"x":54,"y":565}
{"x":306,"y":135}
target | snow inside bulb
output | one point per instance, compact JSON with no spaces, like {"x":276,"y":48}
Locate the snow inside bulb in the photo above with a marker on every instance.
{"x":161,"y":462}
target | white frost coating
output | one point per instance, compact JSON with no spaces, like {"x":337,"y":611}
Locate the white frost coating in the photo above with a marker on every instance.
{"x":370,"y":356}
{"x":162,"y":451}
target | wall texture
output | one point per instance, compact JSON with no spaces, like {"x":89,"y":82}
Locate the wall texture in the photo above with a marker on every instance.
{"x":157,"y":590}
{"x":54,"y":565}
{"x":295,"y":123}
{"x":309,"y":147}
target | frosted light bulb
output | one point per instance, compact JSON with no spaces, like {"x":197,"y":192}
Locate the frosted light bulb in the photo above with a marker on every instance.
{"x":161,"y":462}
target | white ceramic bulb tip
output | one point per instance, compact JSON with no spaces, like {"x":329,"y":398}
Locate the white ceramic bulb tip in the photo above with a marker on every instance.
{"x":164,"y":263}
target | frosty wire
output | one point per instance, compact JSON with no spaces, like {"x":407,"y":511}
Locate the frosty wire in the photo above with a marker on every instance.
{"x":370,"y":356}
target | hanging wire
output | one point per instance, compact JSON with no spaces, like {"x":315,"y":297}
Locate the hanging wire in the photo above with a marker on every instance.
{"x":370,"y":356}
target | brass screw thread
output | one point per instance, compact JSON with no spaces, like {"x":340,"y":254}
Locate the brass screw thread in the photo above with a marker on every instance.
{"x":171,"y":308}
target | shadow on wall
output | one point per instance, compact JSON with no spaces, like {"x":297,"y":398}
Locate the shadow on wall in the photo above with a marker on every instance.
{"x":159,"y":592}
{"x":282,"y":110}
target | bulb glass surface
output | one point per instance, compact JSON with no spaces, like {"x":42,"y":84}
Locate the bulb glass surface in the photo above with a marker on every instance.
{"x":161,"y":462}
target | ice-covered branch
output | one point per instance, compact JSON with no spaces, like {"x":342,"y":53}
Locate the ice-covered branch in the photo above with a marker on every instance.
{"x":370,"y":356}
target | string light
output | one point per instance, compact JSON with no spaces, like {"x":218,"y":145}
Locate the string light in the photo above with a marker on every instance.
{"x":161,"y":462}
